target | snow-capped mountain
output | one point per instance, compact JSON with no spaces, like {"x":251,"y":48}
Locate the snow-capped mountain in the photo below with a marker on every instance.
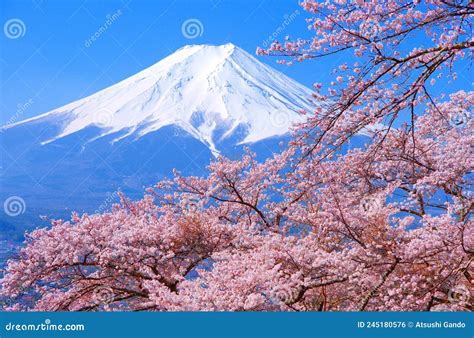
{"x":179,"y":113}
{"x":211,"y":92}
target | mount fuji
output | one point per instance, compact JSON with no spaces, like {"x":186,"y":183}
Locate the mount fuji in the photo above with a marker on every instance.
{"x":197,"y":103}
{"x":211,"y":92}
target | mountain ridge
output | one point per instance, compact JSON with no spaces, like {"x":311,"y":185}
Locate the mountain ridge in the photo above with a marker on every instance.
{"x":193,"y":105}
{"x":211,"y":92}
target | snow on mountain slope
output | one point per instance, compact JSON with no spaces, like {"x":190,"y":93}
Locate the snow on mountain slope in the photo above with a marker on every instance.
{"x":209,"y":91}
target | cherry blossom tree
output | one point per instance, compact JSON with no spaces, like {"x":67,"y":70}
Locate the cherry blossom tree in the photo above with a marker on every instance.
{"x":384,"y":226}
{"x":401,"y":49}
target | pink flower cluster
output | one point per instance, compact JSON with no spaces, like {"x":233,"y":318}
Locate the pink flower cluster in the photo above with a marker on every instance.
{"x":385,"y":226}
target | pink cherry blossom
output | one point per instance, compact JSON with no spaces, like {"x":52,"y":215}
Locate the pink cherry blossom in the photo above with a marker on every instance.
{"x":325,"y":225}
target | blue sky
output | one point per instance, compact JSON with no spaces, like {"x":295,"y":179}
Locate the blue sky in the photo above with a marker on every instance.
{"x":52,"y":64}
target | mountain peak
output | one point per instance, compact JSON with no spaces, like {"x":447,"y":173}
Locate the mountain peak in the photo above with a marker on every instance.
{"x":224,"y":50}
{"x":210,"y":91}
{"x":204,"y":53}
{"x":228,"y":46}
